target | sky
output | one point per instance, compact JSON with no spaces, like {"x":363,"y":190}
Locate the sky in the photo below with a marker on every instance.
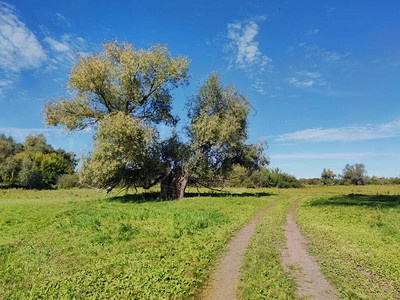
{"x":322,"y":77}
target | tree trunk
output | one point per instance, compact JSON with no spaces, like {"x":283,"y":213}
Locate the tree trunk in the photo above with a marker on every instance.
{"x":173,"y":186}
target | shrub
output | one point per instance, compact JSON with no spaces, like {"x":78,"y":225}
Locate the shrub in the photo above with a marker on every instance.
{"x":67,"y":181}
{"x":29,"y":177}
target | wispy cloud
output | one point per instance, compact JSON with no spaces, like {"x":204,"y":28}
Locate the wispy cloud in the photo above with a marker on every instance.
{"x":244,"y":51}
{"x":346,"y":134}
{"x":307,"y":79}
{"x":56,"y":45}
{"x":322,"y":53}
{"x":19,"y":47}
{"x":63,"y":50}
{"x":61,"y":19}
{"x":313,"y":31}
{"x":335,"y":155}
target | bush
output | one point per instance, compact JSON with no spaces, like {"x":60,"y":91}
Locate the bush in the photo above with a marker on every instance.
{"x":68,"y":181}
{"x":262,"y":178}
{"x":29,"y":177}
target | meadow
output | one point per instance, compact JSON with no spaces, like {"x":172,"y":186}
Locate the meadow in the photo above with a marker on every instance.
{"x":81,"y":244}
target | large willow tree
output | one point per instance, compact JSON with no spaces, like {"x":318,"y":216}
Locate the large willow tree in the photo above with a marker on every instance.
{"x":125,"y":94}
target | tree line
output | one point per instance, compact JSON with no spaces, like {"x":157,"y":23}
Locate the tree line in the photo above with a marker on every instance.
{"x":351,"y":175}
{"x":34,"y":164}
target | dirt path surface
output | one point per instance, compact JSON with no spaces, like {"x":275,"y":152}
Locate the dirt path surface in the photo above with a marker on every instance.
{"x":224,"y":281}
{"x":311,"y":284}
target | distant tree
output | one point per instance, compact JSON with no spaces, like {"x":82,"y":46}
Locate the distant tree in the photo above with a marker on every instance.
{"x":8,"y":147}
{"x":327,"y":177}
{"x":354,"y":174}
{"x":29,"y":176}
{"x":37,"y":144}
{"x":20,"y":163}
{"x":51,"y":166}
{"x":264,"y":177}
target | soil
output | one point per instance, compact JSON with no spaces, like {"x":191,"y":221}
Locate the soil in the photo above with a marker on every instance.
{"x":224,"y":281}
{"x":311,"y":284}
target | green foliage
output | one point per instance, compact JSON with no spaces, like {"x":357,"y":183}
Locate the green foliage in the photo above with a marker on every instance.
{"x":327,"y":177}
{"x":33,"y":164}
{"x":78,"y":244}
{"x":51,"y":166}
{"x":67,"y":181}
{"x":119,"y":79}
{"x":10,"y":169}
{"x":125,"y":152}
{"x":126,"y":93}
{"x":218,"y":132}
{"x":37,"y":144}
{"x":29,"y":176}
{"x":8,"y":147}
{"x":311,"y":181}
{"x":265,"y":177}
{"x":353,"y":174}
{"x":382,"y":180}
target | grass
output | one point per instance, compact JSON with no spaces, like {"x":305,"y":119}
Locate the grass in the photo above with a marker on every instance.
{"x":79,"y":244}
{"x":262,"y":276}
{"x":356,"y":238}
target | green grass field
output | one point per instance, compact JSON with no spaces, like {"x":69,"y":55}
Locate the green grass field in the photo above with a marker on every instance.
{"x":80,"y":244}
{"x":356,"y":237}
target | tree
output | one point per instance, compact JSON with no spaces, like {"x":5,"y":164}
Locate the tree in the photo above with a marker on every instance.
{"x":20,"y":163}
{"x":119,"y":79}
{"x":29,"y":177}
{"x":327,"y":177}
{"x":354,"y":174}
{"x":125,"y":93}
{"x":37,"y":144}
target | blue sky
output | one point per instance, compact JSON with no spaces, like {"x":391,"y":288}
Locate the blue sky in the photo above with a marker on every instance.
{"x":323,"y":77}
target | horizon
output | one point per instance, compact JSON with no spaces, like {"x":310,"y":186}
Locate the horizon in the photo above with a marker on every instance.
{"x":322,"y":78}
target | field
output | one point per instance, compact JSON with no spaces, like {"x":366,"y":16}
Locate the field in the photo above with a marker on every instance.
{"x":81,"y":244}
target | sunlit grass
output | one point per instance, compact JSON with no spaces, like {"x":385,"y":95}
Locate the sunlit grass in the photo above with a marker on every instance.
{"x":80,"y":244}
{"x":356,"y":238}
{"x":262,"y":275}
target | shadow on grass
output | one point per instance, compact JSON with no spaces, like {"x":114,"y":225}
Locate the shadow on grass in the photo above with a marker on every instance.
{"x":155,"y":196}
{"x":381,"y":201}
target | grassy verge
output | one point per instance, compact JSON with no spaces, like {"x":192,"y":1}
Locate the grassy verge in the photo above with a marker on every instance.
{"x":79,"y":244}
{"x":262,"y":275}
{"x":356,"y":238}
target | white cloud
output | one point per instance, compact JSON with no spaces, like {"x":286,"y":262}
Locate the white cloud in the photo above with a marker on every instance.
{"x":62,"y":19}
{"x":346,"y":134}
{"x":56,"y":45}
{"x":63,"y":51}
{"x":324,"y":54}
{"x":313,"y":31}
{"x":244,"y":51}
{"x":310,"y":74}
{"x":301,"y":83}
{"x":19,"y":47}
{"x":244,"y":47}
{"x":307,"y":79}
{"x":335,"y":155}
